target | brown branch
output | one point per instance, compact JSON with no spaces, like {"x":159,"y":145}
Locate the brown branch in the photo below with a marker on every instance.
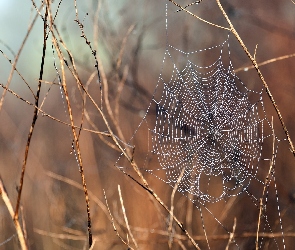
{"x":113,"y":223}
{"x":125,"y":217}
{"x":76,"y":139}
{"x":170,"y":232}
{"x":50,"y":116}
{"x":147,"y":188}
{"x":16,"y":223}
{"x":35,"y":116}
{"x":233,"y":30}
{"x":203,"y":20}
{"x":232,"y":234}
{"x":76,"y":143}
{"x":127,"y":153}
{"x":246,"y":68}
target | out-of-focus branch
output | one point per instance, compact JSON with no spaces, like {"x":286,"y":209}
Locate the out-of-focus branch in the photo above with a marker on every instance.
{"x":13,"y":68}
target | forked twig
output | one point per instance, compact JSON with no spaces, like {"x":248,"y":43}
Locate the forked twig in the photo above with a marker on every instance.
{"x":233,"y":30}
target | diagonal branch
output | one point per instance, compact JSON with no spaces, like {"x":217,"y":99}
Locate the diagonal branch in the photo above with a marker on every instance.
{"x":192,"y":14}
{"x":233,"y":30}
{"x":17,"y":226}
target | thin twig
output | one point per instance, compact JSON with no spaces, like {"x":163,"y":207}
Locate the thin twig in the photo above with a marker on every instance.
{"x":264,"y":62}
{"x":203,"y":20}
{"x":266,"y":184}
{"x":119,"y":90}
{"x":125,"y":217}
{"x":233,"y":30}
{"x":13,"y":68}
{"x":127,"y":153}
{"x":17,"y":226}
{"x":170,"y":228}
{"x":7,"y":240}
{"x":113,"y":223}
{"x":50,"y":116}
{"x":180,"y":244}
{"x":193,"y":3}
{"x":181,"y":226}
{"x":8,"y":81}
{"x":76,"y":138}
{"x":86,"y":114}
{"x":79,"y":186}
{"x":23,"y":222}
{"x":189,"y":214}
{"x":35,"y":116}
{"x":232,"y":234}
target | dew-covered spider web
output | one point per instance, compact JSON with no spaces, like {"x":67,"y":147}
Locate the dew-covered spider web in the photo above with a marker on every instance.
{"x":208,"y":134}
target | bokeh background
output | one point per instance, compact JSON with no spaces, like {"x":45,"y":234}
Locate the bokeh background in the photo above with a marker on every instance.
{"x":130,"y":39}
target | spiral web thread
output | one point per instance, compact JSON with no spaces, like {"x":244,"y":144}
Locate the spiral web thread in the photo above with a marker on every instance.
{"x":207,"y":122}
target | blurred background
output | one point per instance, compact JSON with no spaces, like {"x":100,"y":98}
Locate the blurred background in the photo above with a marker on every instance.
{"x":130,"y":38}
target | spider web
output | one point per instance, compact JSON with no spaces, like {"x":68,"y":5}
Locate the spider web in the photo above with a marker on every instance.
{"x":210,"y":135}
{"x":207,"y":125}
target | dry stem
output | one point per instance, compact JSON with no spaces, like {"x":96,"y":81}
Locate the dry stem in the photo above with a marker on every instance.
{"x":233,"y":30}
{"x":35,"y":116}
{"x":113,"y":223}
{"x":17,"y":226}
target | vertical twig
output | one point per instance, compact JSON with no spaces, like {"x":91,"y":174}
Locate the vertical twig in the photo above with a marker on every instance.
{"x":73,"y":127}
{"x":23,"y":222}
{"x":125,"y":217}
{"x":170,"y":228}
{"x":189,"y":214}
{"x":20,"y":187}
{"x":232,"y":234}
{"x":266,"y":183}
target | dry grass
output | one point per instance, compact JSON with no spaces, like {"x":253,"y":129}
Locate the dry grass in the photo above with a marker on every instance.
{"x":66,"y":118}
